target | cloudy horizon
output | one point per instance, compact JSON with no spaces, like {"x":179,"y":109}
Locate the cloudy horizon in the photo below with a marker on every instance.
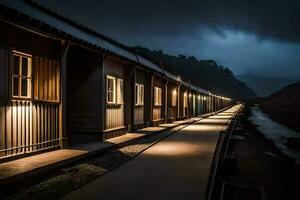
{"x":248,"y":37}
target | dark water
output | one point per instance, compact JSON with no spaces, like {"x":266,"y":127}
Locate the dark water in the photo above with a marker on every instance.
{"x":274,"y":131}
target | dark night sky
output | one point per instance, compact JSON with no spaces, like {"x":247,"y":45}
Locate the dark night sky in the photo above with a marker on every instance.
{"x":248,"y":36}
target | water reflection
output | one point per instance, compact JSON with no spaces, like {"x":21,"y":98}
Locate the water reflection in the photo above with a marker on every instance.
{"x":274,"y":131}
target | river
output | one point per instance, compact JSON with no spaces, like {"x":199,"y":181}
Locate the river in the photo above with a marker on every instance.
{"x":274,"y":131}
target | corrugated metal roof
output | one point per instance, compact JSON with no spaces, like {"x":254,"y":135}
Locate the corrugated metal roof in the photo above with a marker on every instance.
{"x":200,"y":90}
{"x":187,"y":84}
{"x":54,"y":22}
{"x":148,"y":63}
{"x":94,"y":39}
{"x":171,"y":76}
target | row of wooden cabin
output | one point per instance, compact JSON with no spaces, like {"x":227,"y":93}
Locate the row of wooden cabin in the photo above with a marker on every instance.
{"x":61,"y":83}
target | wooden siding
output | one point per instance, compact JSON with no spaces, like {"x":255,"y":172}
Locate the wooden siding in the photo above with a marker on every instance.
{"x":27,"y":127}
{"x":46,"y":79}
{"x":171,"y":112}
{"x":4,"y":62}
{"x":33,"y":124}
{"x":84,"y":84}
{"x":138,"y":114}
{"x":114,"y":116}
{"x":157,"y":112}
{"x":25,"y":41}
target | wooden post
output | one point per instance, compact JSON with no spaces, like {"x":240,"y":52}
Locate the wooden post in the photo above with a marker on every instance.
{"x":133,"y":94}
{"x":188,"y":104}
{"x":151,"y":98}
{"x":63,"y":101}
{"x":166,"y":101}
{"x":178,"y":101}
{"x":103,"y":96}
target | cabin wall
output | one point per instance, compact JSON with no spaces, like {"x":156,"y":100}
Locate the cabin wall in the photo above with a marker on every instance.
{"x":158,"y":111}
{"x":32,"y":124}
{"x":114,"y":114}
{"x":148,"y":100}
{"x":171,"y":104}
{"x":139,"y":109}
{"x":183,"y":103}
{"x":84,"y":82}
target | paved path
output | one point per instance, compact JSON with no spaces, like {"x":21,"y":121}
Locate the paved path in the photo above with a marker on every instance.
{"x":19,"y":169}
{"x":176,"y":168}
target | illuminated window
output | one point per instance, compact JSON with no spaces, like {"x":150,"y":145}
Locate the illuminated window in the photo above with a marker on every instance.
{"x":119,"y":91}
{"x":111,"y":89}
{"x":114,"y":90}
{"x":21,"y":75}
{"x":174,"y":97}
{"x":139,"y":94}
{"x":157,"y":96}
{"x":185,"y":100}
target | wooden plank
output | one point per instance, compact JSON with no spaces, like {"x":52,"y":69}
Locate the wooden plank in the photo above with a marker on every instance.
{"x":2,"y":129}
{"x":50,"y":88}
{"x":14,"y":126}
{"x":23,"y":125}
{"x":3,"y":73}
{"x":19,"y":126}
{"x":36,"y":78}
{"x":34,"y":127}
{"x":41,"y":79}
{"x":46,"y":77}
{"x":8,"y":130}
{"x":49,"y":124}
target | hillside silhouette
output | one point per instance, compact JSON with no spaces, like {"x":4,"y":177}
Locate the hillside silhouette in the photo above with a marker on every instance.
{"x":284,"y":106}
{"x":205,"y":73}
{"x":264,"y":86}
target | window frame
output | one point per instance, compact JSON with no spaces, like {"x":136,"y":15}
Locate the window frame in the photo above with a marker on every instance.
{"x":139,"y":94}
{"x":174,"y":97}
{"x":157,"y":96}
{"x":119,"y":91}
{"x":113,"y":91}
{"x":20,"y":76}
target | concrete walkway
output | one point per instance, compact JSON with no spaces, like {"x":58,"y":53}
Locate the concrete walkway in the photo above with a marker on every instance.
{"x":175,"y":168}
{"x":15,"y":170}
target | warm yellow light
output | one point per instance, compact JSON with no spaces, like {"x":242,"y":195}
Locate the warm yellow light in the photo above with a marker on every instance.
{"x":174,"y":92}
{"x":199,"y":97}
{"x":204,"y":98}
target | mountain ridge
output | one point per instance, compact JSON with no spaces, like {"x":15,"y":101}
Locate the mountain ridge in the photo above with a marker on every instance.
{"x":205,"y":73}
{"x":264,"y":86}
{"x":284,"y":106}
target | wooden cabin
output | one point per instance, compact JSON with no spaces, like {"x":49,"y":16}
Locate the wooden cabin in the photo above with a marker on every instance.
{"x":192,"y":101}
{"x":184,"y":100}
{"x":158,"y":99}
{"x":172,"y":96}
{"x":30,"y":92}
{"x":64,"y":83}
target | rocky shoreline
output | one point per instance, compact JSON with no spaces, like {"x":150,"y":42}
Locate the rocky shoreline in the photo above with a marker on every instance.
{"x":261,"y":168}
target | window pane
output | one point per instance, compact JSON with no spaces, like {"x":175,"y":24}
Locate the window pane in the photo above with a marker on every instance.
{"x":109,"y":97}
{"x":142,"y":94}
{"x":15,"y":86}
{"x":16,"y":65}
{"x":110,"y":84}
{"x":120,"y":91}
{"x":24,"y":66}
{"x":24,"y":88}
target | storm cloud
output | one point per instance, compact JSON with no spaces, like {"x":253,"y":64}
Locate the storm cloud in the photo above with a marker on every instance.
{"x":248,"y":36}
